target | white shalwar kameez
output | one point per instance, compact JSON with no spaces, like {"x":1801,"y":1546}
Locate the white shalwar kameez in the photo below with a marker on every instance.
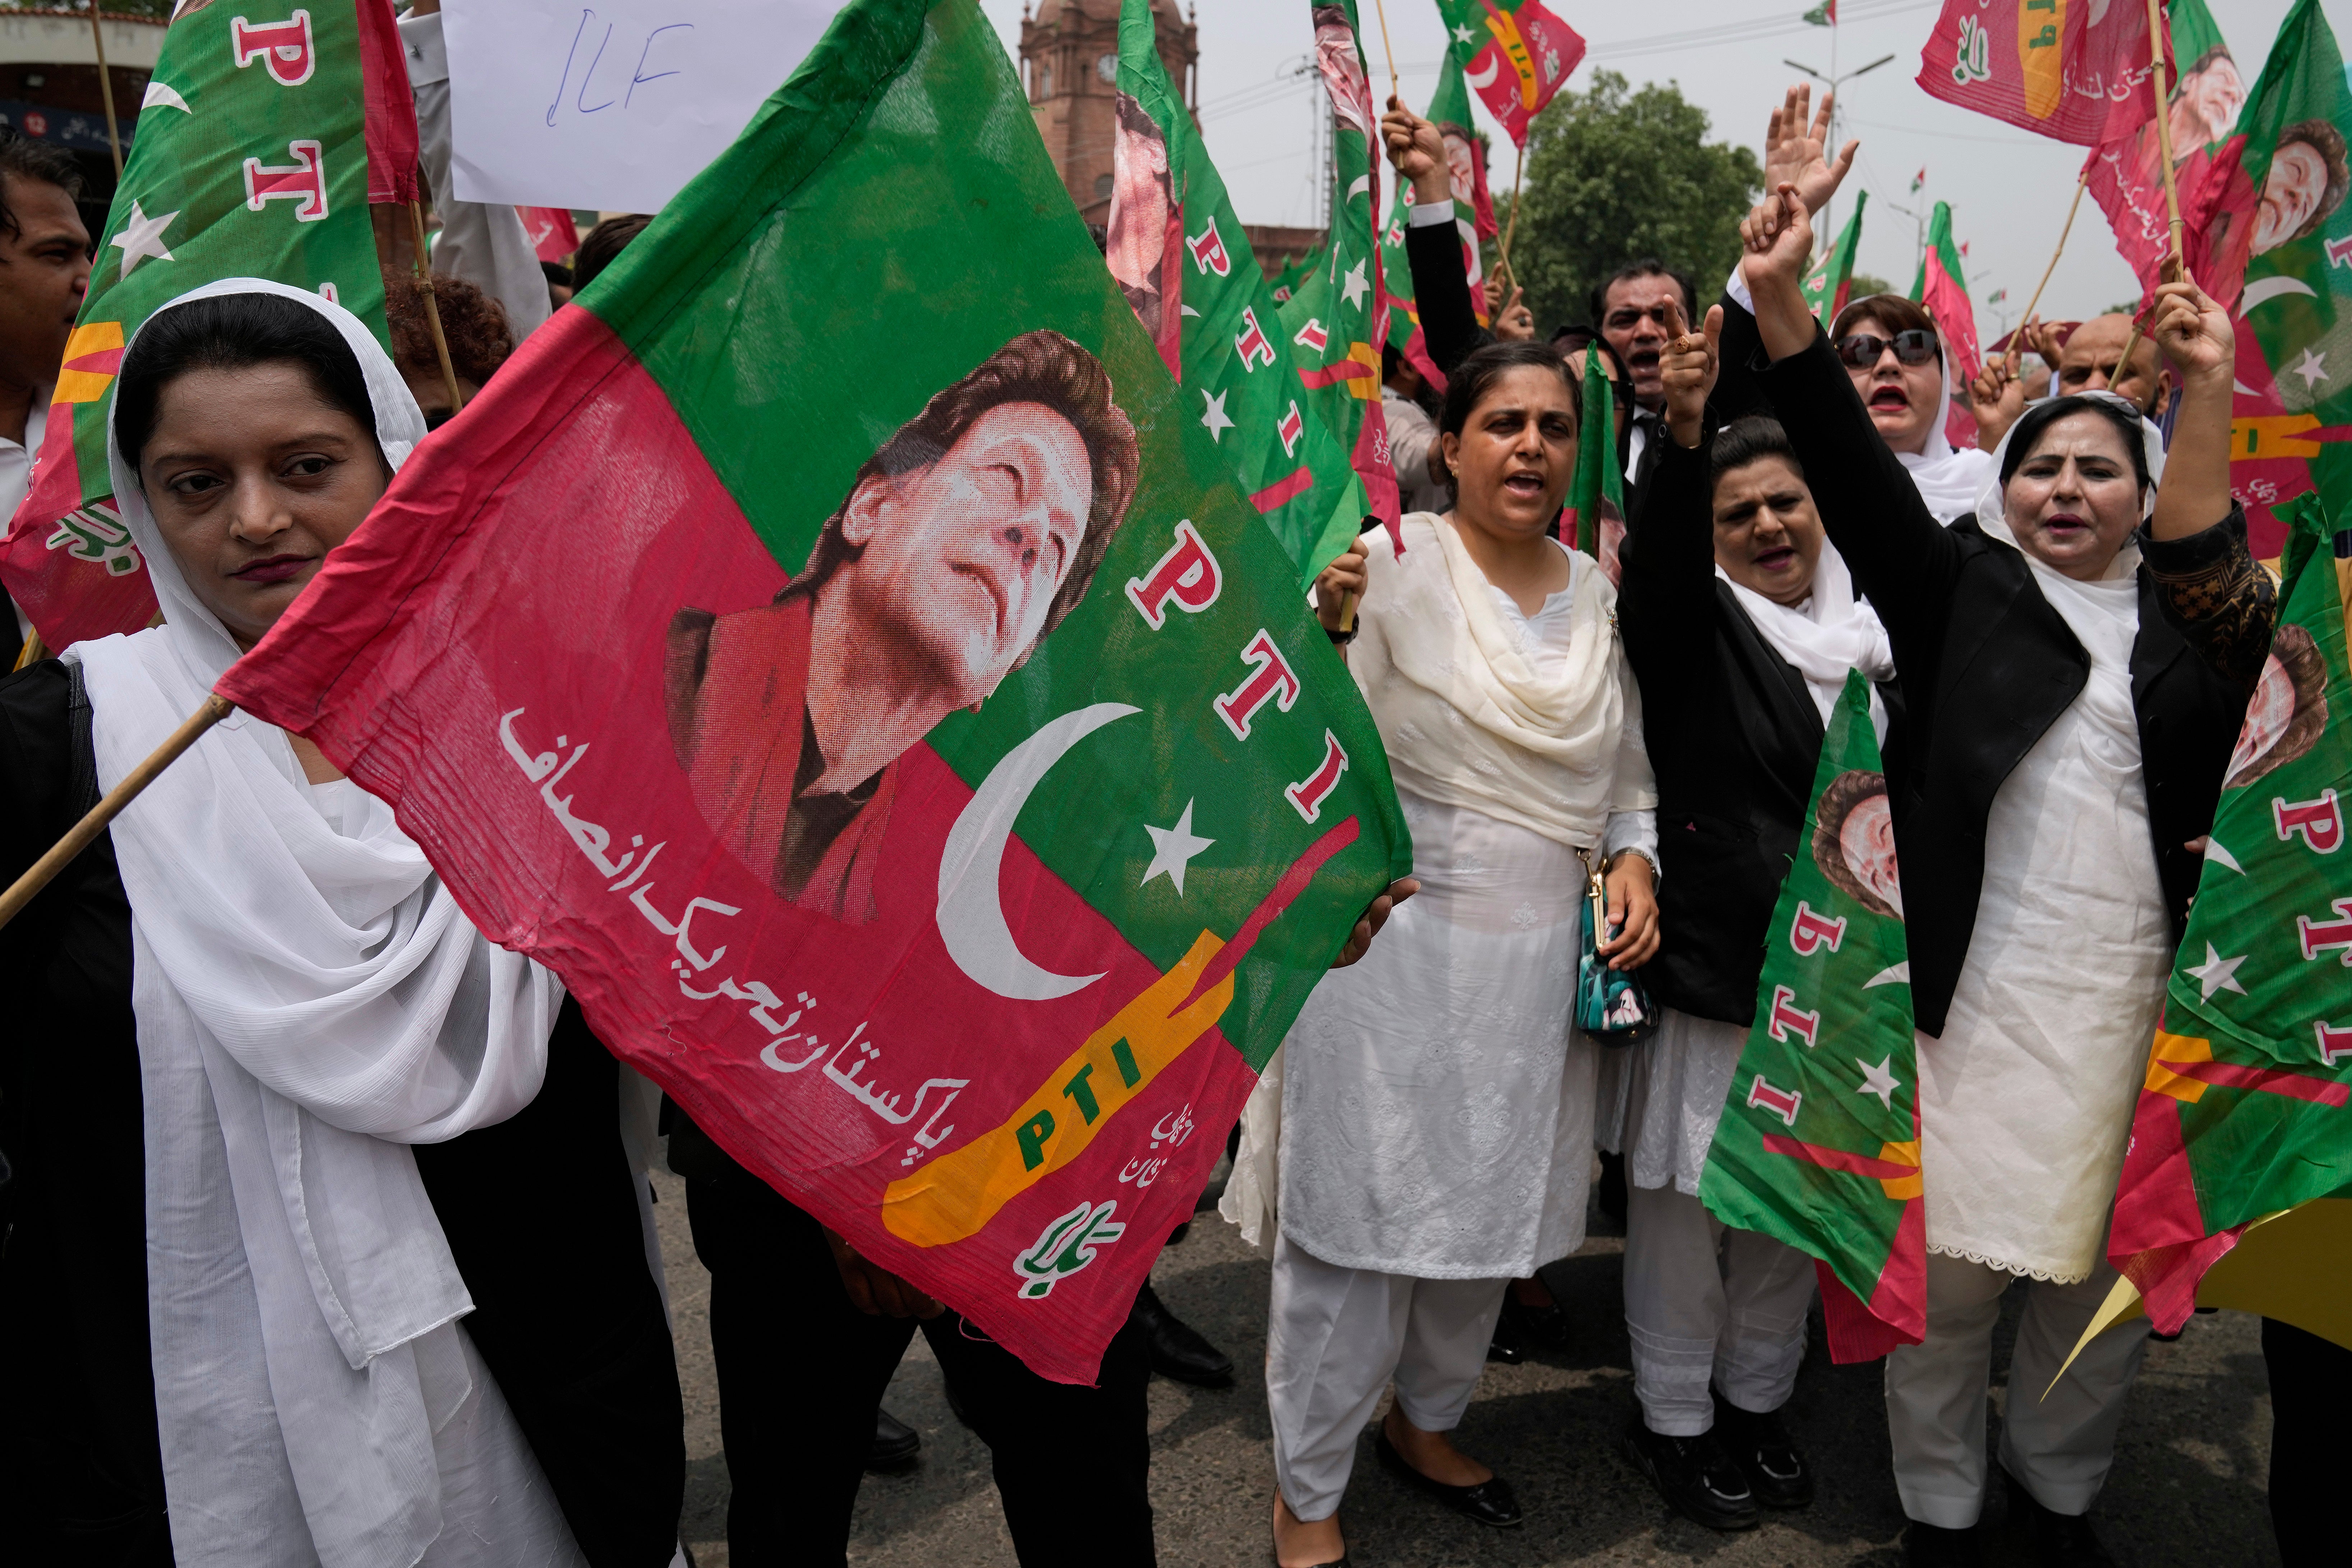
{"x":1437,"y":1104}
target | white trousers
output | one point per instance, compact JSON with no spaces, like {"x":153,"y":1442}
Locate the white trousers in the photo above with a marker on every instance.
{"x":1335,"y":1338}
{"x":1706,"y":1300}
{"x":2060,"y":1446}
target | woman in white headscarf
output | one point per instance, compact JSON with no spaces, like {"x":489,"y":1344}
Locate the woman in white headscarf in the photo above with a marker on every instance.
{"x":363,"y":1172}
{"x":2078,"y":655}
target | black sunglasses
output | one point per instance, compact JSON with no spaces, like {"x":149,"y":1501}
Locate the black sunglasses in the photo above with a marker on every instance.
{"x":1861,"y":349}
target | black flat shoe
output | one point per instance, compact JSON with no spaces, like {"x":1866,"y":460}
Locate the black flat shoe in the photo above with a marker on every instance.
{"x":1546,"y":1326}
{"x":1760,"y":1446}
{"x":1504,"y":1344}
{"x":1178,"y":1351}
{"x":1696,"y":1477}
{"x":895,"y":1445}
{"x":1488,"y":1502}
{"x":2059,"y":1539}
{"x":1933,"y":1546}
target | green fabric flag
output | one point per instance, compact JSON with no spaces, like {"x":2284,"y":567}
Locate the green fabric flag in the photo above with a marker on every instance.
{"x":1819,"y":1142}
{"x":2248,"y":1104}
{"x":1179,"y":252}
{"x":1595,"y":516}
{"x":2293,"y":244}
{"x":1829,"y":286}
{"x":1337,"y":315}
{"x":1285,"y":282}
{"x":261,"y":144}
{"x":1943,"y":289}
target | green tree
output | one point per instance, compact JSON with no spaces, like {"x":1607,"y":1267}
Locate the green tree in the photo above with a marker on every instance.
{"x":1615,"y":173}
{"x":1864,"y":285}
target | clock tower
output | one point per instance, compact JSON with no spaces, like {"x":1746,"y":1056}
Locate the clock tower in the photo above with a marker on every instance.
{"x":1069,"y":64}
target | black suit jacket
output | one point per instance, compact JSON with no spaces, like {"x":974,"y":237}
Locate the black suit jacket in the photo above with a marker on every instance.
{"x":1987,"y":666}
{"x":1734,"y":739}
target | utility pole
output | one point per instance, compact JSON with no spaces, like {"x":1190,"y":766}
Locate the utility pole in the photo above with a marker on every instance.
{"x":1836,"y":84}
{"x":1919,"y":258}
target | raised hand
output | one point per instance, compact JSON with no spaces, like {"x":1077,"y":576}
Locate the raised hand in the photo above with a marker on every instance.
{"x":1514,"y":322}
{"x":1997,"y":397}
{"x":1338,"y":587}
{"x":1419,"y":153}
{"x":1776,"y":241}
{"x":1795,"y":152}
{"x":2193,"y":333}
{"x":1687,"y":365}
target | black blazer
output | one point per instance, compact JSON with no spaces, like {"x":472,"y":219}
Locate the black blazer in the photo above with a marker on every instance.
{"x":1441,"y":293}
{"x":1734,"y":739}
{"x":1987,"y":666}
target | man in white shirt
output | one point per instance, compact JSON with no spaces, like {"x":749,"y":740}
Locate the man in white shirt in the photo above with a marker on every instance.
{"x":44,"y":273}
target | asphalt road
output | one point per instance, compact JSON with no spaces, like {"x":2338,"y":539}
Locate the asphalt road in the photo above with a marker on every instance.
{"x":2186,"y":1490}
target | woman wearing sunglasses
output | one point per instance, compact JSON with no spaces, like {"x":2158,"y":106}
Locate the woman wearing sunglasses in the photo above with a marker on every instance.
{"x":2077,"y":654}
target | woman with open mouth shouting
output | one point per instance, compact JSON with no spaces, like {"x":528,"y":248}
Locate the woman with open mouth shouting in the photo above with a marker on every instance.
{"x":2078,"y":654}
{"x":1741,"y":622}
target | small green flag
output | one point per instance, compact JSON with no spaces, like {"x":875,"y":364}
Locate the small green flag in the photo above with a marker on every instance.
{"x":1596,"y":496}
{"x":1819,"y":1143}
{"x":1829,"y":285}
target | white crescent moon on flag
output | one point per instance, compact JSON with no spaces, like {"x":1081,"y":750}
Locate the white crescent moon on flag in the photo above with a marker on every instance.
{"x":971,"y":911}
{"x":2263,"y":290}
{"x":1494,"y":63}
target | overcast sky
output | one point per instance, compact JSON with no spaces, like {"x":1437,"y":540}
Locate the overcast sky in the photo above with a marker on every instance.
{"x":2009,"y":189}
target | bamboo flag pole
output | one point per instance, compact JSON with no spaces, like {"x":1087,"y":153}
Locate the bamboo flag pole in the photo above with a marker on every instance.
{"x":2080,"y":182}
{"x":1511,"y":224}
{"x":106,"y":87}
{"x":2164,"y":134}
{"x":433,"y":311}
{"x":1387,"y":50}
{"x":33,"y":652}
{"x":83,"y":833}
{"x":1380,"y":10}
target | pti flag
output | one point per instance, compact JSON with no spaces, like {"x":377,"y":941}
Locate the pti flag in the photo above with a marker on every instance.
{"x":2126,"y":176}
{"x":951,"y":819}
{"x":1404,"y":305}
{"x":1518,"y":54}
{"x":1178,"y":252}
{"x":1594,"y":519}
{"x":2075,"y":71}
{"x":1465,"y":150}
{"x":2292,"y":426}
{"x":554,"y":235}
{"x":1943,"y":289}
{"x":1819,"y":1142}
{"x":1828,"y":286}
{"x":2245,"y":1109}
{"x":262,"y":140}
{"x":1338,"y":315}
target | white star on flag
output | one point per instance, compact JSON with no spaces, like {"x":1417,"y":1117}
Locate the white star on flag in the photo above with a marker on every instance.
{"x":1463,"y":34}
{"x":1878,"y":1081}
{"x":2217,"y":973}
{"x":1354,"y":286}
{"x":2313,"y":369}
{"x":1215,"y":418}
{"x":143,"y":237}
{"x":1172,"y":849}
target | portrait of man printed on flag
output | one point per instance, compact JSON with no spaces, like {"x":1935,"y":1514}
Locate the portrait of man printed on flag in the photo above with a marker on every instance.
{"x":1342,"y":67}
{"x":963,"y":543}
{"x":1146,"y":226}
{"x":1855,"y":842}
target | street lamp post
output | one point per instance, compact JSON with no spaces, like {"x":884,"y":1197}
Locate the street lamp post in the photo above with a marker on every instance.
{"x":1836,"y":84}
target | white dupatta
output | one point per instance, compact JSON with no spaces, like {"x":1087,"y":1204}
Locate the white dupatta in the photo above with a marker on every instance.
{"x":310,"y":1002}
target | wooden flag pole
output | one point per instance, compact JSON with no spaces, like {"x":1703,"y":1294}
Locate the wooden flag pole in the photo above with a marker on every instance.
{"x":2164,"y":134}
{"x":2080,"y":181}
{"x":1511,"y":226}
{"x":33,"y":652}
{"x":83,"y":833}
{"x":433,"y":311}
{"x":1380,"y":10}
{"x":106,"y":87}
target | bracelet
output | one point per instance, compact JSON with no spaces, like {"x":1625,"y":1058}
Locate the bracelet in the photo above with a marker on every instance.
{"x":1341,"y":639}
{"x":1641,"y":855}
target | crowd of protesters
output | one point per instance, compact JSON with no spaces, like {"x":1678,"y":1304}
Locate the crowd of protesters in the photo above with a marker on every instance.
{"x":398,"y":1302}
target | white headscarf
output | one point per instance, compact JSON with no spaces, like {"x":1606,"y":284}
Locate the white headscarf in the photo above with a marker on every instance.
{"x":309,"y":1001}
{"x":1947,"y":477}
{"x":1825,"y":635}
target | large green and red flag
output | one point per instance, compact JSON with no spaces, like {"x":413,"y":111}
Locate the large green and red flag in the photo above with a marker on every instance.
{"x":263,"y":139}
{"x":2125,"y":174}
{"x":1179,"y":255}
{"x":1594,"y":518}
{"x":1819,"y":1142}
{"x":2248,"y":1105}
{"x":2079,"y":72}
{"x":1517,"y":54}
{"x":1473,"y":218}
{"x":1942,"y":287}
{"x":1466,"y":147}
{"x":2273,"y":212}
{"x":951,"y":819}
{"x":1338,"y":315}
{"x":1829,"y":285}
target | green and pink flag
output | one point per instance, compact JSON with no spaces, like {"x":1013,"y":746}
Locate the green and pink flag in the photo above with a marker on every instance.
{"x":1336,"y":317}
{"x":1942,"y":287}
{"x":951,"y":819}
{"x":2125,"y":174}
{"x":2247,"y":1109}
{"x":1594,"y":518}
{"x":1819,"y":1142}
{"x":1516,"y":54}
{"x":2079,"y":72}
{"x":1829,"y":285}
{"x":1178,"y":254}
{"x":1473,"y":218}
{"x":264,"y":137}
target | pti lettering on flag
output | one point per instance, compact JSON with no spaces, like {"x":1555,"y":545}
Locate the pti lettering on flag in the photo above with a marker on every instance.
{"x":1518,"y":55}
{"x":2079,"y":72}
{"x":1819,"y":1142}
{"x":2247,"y":1109}
{"x":951,"y":820}
{"x":257,"y":158}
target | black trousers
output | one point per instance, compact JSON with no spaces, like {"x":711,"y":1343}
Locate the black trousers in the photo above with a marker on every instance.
{"x":2310,"y":1390}
{"x":801,"y":1373}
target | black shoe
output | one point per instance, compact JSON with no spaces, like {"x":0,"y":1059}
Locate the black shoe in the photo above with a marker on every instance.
{"x":1760,"y":1446}
{"x":1505,"y":1344}
{"x":895,"y":1444}
{"x":2059,"y":1539}
{"x":1933,"y":1546}
{"x":1177,"y":1351}
{"x":1695,"y":1475}
{"x":1488,"y":1502}
{"x":1546,"y":1325}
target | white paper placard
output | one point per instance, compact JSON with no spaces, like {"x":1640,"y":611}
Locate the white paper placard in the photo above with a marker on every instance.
{"x":610,"y":104}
